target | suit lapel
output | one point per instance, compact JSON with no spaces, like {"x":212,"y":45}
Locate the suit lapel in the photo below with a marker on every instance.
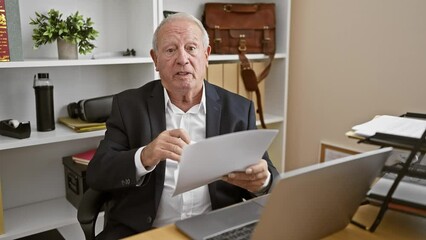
{"x":157,"y":119}
{"x":156,"y":110}
{"x":214,"y":110}
{"x":213,"y":115}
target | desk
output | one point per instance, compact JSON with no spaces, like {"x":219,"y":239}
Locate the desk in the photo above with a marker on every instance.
{"x":395,"y":226}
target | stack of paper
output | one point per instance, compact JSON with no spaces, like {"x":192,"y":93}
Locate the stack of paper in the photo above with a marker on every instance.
{"x":408,"y":192}
{"x":400,"y":126}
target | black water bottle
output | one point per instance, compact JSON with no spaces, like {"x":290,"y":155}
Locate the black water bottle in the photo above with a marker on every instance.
{"x":43,"y":88}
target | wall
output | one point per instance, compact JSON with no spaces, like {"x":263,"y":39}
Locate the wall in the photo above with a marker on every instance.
{"x":351,"y":60}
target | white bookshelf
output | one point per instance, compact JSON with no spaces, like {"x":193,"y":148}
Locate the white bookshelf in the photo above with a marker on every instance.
{"x":33,"y":63}
{"x":38,"y":217}
{"x":31,"y":170}
{"x":216,"y":58}
{"x":60,"y":134}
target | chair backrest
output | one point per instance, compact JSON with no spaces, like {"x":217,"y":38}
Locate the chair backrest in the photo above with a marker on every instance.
{"x":90,"y":206}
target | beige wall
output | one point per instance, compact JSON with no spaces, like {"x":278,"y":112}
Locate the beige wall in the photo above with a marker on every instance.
{"x":351,"y":60}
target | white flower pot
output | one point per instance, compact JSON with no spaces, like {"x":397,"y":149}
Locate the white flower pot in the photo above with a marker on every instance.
{"x":67,"y":50}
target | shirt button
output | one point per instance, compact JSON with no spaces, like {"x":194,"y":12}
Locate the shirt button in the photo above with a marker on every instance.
{"x":149,"y":219}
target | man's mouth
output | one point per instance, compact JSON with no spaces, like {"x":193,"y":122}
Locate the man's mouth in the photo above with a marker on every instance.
{"x":183,"y":73}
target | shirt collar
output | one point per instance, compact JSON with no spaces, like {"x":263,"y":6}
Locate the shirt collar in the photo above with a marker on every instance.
{"x":194,"y":109}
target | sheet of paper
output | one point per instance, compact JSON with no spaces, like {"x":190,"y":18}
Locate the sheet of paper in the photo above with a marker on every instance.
{"x":400,"y":126}
{"x":208,"y":160}
{"x":406,"y":191}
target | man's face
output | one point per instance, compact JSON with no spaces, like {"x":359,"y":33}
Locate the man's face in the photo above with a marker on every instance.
{"x":181,"y":59}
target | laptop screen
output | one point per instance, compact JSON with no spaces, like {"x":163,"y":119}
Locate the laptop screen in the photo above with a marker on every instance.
{"x":316,"y":201}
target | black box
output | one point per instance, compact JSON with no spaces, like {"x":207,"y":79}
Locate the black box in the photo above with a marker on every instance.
{"x":75,"y":180}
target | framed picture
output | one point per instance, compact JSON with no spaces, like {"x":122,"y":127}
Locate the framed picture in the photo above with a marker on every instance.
{"x":330,"y":152}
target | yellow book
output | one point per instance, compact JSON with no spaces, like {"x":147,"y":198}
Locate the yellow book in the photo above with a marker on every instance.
{"x":80,"y":125}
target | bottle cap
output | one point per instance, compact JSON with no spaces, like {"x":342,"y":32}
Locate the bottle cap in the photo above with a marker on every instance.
{"x":43,"y":75}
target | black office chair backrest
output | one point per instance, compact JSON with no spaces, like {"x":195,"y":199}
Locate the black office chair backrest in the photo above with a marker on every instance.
{"x":90,"y":206}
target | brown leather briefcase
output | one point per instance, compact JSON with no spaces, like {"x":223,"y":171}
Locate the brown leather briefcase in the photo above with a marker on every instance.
{"x":236,"y":28}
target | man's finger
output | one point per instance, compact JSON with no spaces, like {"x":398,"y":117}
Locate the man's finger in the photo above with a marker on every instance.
{"x":181,"y":134}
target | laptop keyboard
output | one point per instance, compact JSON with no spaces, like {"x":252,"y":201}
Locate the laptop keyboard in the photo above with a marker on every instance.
{"x":240,"y":233}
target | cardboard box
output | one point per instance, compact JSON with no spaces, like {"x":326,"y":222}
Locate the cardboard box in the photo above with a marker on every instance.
{"x":75,"y":180}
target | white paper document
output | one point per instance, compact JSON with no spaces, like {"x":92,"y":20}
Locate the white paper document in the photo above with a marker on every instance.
{"x":406,"y":191}
{"x":400,"y":126}
{"x":208,"y":160}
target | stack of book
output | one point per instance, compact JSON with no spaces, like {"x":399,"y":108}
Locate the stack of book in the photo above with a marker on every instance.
{"x":84,"y":157}
{"x":10,"y":31}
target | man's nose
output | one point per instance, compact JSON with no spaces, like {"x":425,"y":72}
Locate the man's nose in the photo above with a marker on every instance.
{"x":182,"y":57}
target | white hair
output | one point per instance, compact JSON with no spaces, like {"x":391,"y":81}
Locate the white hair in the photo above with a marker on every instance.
{"x":180,"y":16}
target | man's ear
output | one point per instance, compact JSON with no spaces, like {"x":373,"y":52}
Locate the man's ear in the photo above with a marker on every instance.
{"x":154,"y":58}
{"x":208,"y":51}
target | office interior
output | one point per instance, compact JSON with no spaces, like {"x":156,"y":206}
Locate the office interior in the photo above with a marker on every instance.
{"x":346,"y":61}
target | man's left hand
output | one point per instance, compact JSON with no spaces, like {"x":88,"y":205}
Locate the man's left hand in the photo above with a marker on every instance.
{"x":253,"y":179}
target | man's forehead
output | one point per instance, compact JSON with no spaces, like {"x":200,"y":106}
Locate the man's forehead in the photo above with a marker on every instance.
{"x":180,"y":32}
{"x":181,"y":26}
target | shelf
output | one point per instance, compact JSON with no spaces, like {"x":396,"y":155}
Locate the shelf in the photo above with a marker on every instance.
{"x":219,"y":58}
{"x":63,"y":133}
{"x":408,"y":193}
{"x":269,"y":119}
{"x":38,"y":217}
{"x":60,"y":134}
{"x":397,"y":205}
{"x":30,"y":63}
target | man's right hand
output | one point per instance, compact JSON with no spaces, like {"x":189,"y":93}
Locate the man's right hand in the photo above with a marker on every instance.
{"x":168,"y":145}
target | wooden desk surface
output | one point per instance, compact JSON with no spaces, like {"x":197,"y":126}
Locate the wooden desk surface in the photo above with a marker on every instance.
{"x":395,"y":225}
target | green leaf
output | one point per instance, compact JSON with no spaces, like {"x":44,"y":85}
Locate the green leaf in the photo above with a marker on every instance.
{"x":74,"y":28}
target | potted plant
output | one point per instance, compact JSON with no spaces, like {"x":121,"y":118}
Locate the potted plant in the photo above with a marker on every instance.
{"x":72,"y":33}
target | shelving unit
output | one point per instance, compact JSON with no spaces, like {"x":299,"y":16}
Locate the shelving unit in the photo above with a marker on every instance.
{"x":31,"y":170}
{"x":52,"y":214}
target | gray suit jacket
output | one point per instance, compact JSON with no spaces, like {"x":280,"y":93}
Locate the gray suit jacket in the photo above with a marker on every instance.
{"x":138,"y":117}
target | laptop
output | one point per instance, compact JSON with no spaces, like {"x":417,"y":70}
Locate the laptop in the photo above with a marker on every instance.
{"x":306,"y":203}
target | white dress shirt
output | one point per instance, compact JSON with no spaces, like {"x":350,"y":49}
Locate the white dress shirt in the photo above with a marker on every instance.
{"x":196,"y":201}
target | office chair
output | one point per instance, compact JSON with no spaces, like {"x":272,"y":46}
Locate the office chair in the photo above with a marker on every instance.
{"x":90,"y":206}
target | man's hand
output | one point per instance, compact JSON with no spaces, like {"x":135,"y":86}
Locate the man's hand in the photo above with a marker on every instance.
{"x":168,"y":145}
{"x":252,"y":179}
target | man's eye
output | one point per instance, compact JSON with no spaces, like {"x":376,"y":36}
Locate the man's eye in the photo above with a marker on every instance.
{"x":170,"y":50}
{"x":191,"y":49}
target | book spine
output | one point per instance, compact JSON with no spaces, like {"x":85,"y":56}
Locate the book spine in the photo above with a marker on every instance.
{"x":4,"y":40}
{"x":14,"y":34}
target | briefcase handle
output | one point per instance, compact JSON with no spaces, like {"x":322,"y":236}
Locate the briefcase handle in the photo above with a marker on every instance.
{"x":241,"y":8}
